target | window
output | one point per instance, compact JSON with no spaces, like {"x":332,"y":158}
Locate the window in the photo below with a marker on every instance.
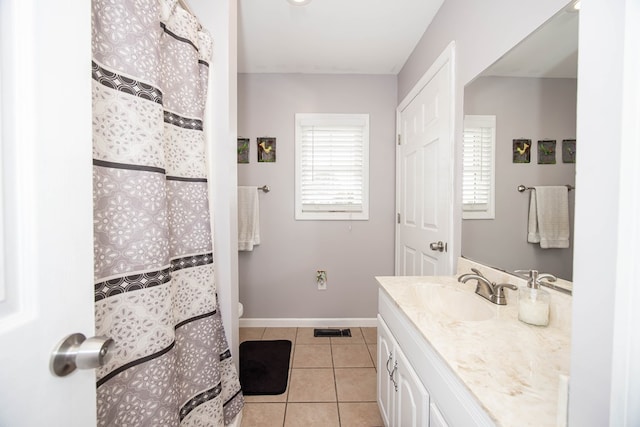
{"x":478,"y":167}
{"x":332,"y":166}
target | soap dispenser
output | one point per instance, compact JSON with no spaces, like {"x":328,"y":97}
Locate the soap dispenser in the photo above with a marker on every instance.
{"x":533,"y":301}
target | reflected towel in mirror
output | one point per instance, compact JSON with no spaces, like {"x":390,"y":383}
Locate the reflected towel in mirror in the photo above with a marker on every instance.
{"x":549,"y":217}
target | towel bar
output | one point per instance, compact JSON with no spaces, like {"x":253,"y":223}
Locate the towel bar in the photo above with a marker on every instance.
{"x":264,"y":188}
{"x":522,"y":188}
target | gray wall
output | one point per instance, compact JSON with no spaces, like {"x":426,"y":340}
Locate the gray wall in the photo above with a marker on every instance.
{"x":524,"y":108}
{"x":483,"y":31}
{"x":277,"y":279}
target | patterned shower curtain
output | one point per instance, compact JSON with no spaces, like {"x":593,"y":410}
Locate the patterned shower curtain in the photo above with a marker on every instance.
{"x":154,"y":276}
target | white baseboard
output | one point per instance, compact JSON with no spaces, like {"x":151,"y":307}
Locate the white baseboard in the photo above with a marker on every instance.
{"x":308,"y":323}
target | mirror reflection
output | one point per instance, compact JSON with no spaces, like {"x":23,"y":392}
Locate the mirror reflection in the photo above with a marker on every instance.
{"x":531,"y":93}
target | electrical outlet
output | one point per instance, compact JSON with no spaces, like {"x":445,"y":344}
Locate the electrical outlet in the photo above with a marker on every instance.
{"x":321,"y":279}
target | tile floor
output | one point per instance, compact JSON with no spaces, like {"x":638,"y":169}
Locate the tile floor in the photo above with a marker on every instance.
{"x":332,"y":381}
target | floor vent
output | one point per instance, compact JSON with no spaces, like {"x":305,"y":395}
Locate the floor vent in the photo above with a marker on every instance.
{"x":332,"y":332}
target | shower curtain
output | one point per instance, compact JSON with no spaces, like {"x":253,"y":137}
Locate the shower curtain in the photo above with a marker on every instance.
{"x":154,"y":275}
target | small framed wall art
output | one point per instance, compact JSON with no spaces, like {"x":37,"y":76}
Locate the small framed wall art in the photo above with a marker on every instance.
{"x":547,"y":152}
{"x":521,"y":151}
{"x":568,"y":151}
{"x":266,"y":150}
{"x":243,"y":150}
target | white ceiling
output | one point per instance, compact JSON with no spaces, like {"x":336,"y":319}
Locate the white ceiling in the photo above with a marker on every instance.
{"x":330,"y":36}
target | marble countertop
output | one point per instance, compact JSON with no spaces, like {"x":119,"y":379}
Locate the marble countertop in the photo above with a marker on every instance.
{"x":510,"y":367}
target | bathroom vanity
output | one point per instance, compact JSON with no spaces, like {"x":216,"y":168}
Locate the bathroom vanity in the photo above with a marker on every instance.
{"x":448,"y":357}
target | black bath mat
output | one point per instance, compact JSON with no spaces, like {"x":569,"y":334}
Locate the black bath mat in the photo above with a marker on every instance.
{"x":264,"y":366}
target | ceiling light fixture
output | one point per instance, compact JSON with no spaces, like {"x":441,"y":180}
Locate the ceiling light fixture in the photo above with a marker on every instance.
{"x":299,"y":2}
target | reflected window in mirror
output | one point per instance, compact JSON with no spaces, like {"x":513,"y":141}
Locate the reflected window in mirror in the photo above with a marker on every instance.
{"x":478,"y":167}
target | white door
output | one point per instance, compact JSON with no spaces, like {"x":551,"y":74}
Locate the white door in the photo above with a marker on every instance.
{"x":46,"y":250}
{"x":425,"y":174}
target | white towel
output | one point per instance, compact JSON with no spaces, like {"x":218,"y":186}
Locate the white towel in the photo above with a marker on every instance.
{"x":549,"y":217}
{"x":248,"y":218}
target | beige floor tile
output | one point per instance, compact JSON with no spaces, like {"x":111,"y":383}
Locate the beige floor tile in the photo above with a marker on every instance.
{"x":305,"y":336}
{"x":373,"y":351}
{"x":356,"y":384}
{"x":351,"y":356}
{"x":355,"y":338}
{"x":312,"y":415}
{"x":312,"y":385}
{"x":370,"y":335}
{"x":251,"y":334}
{"x":360,"y":414}
{"x":312,"y":356}
{"x":263,"y":414}
{"x":280,"y":334}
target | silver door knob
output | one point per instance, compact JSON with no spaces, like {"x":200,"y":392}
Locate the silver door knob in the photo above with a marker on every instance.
{"x":438,"y":246}
{"x":79,"y":352}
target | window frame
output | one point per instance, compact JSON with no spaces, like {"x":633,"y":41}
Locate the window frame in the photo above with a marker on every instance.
{"x":328,"y":120}
{"x":480,"y":211}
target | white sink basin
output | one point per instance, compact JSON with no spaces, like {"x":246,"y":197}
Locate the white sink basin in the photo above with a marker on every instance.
{"x":456,"y":304}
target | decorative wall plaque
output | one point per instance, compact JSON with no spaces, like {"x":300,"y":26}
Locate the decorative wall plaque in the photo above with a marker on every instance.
{"x":547,"y":152}
{"x":521,"y":151}
{"x":568,"y":151}
{"x":266,"y":149}
{"x":243,"y":150}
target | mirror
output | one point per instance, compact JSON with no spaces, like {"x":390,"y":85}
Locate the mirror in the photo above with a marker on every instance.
{"x":531,"y":91}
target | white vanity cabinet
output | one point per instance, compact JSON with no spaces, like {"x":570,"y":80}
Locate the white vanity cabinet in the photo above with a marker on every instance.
{"x":386,"y":392}
{"x":415,"y":386}
{"x":436,"y":419}
{"x":402,"y":397}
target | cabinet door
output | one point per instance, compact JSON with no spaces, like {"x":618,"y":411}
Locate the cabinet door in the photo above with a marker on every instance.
{"x":386,"y":389}
{"x":412,"y":400}
{"x":435,"y":417}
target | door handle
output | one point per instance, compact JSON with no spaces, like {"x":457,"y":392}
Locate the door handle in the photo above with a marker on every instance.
{"x":388,"y":361}
{"x":438,"y":246}
{"x":395,"y":369}
{"x":76,"y":351}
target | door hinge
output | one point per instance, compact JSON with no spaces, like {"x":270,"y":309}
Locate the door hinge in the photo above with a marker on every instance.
{"x":399,"y":139}
{"x":398,"y":218}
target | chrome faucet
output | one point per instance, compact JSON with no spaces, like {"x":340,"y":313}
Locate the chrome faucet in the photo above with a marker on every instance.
{"x":487,"y":289}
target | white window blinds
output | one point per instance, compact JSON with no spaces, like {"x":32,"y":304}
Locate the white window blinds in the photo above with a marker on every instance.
{"x":332,"y":168}
{"x":478,"y":167}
